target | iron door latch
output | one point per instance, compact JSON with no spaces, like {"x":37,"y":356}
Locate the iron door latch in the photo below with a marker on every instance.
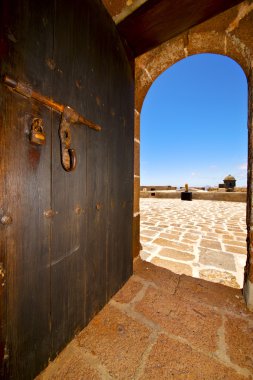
{"x":69,"y":116}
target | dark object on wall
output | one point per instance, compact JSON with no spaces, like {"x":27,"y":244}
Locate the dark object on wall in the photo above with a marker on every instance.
{"x":221,"y":185}
{"x":229,"y":182}
{"x":186,"y":196}
{"x":61,"y":257}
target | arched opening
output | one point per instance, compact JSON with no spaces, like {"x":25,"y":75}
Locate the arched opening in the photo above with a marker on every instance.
{"x":194,"y":130}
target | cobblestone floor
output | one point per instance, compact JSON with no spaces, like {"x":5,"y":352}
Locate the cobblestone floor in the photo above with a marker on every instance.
{"x":203,"y":239}
{"x":166,"y":326}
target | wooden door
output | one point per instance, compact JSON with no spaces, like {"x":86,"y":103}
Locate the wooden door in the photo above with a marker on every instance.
{"x":58,"y":269}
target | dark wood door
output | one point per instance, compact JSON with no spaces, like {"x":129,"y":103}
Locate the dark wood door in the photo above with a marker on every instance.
{"x":59,"y":269}
{"x":27,"y":239}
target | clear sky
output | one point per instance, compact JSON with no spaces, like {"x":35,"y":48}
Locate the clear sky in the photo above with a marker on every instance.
{"x":194,"y":124}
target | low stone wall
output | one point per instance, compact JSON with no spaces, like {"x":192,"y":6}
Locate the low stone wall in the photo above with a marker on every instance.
{"x":210,"y":196}
{"x":160,"y":194}
{"x":157,"y":188}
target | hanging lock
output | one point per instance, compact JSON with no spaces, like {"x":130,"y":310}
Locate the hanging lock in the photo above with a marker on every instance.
{"x":37,"y":134}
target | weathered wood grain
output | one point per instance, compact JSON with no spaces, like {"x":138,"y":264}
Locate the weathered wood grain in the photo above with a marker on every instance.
{"x":59,"y":265}
{"x":26,"y":41}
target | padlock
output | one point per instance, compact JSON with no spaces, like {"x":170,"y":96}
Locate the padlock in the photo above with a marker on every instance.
{"x":37,"y":135}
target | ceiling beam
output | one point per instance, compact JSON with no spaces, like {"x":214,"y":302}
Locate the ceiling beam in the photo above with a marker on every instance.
{"x":157,"y":21}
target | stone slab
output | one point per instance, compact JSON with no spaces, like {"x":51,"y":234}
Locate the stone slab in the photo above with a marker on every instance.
{"x":239,"y":333}
{"x":221,"y":277}
{"x":217,"y":259}
{"x":171,"y":359}
{"x":195,"y":323}
{"x":116,"y":340}
{"x":176,"y":267}
{"x":175,"y":254}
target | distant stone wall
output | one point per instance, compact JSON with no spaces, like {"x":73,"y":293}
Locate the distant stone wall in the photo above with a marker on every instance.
{"x":210,"y":196}
{"x":159,"y":194}
{"x":229,"y":34}
{"x":151,"y":188}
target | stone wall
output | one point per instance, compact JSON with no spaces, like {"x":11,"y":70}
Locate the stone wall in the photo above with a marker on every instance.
{"x":209,"y":195}
{"x":120,"y":9}
{"x":229,"y":34}
{"x":154,"y":187}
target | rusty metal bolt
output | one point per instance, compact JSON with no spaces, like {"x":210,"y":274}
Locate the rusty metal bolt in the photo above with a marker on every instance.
{"x":98,"y":206}
{"x":78,"y":210}
{"x":50,"y":213}
{"x":6,"y":220}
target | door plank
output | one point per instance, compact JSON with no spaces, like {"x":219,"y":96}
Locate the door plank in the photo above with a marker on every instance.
{"x":27,"y":240}
{"x":26,"y":45}
{"x":120,"y":189}
{"x":62,"y":270}
{"x":69,"y":236}
{"x":68,"y":241}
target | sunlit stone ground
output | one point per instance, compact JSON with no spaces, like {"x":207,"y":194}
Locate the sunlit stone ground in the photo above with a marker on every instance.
{"x":163,"y":325}
{"x":203,"y":239}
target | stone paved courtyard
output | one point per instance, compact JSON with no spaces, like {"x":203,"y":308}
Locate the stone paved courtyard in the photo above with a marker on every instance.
{"x":166,"y":326}
{"x":203,"y":239}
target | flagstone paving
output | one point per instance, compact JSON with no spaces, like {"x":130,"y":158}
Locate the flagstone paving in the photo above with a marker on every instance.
{"x":166,"y":326}
{"x":203,"y":239}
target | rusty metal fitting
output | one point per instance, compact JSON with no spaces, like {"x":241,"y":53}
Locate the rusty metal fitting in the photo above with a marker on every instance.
{"x":50,"y":213}
{"x":98,"y":206}
{"x":78,"y":210}
{"x":6,"y":220}
{"x":22,"y":88}
{"x":70,"y":115}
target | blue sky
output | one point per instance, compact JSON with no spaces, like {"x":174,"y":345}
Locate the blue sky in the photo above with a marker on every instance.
{"x":194,"y":124}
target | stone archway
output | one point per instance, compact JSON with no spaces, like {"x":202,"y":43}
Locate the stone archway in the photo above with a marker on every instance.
{"x":229,"y":34}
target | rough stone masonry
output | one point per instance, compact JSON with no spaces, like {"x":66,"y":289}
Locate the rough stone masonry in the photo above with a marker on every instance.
{"x":231,"y":34}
